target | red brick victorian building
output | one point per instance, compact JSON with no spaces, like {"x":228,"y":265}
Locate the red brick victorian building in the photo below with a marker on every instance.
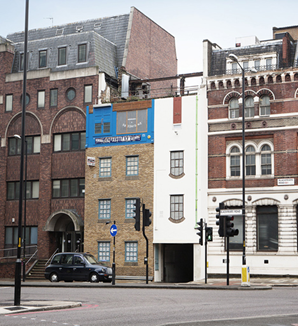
{"x":69,"y":68}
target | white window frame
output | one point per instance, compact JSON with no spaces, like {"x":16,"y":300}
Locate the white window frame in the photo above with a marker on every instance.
{"x":41,"y":96}
{"x":8,"y":102}
{"x":131,"y":251}
{"x":258,"y":162}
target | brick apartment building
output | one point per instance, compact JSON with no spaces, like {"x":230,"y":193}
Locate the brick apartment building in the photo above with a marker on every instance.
{"x":271,"y":135}
{"x":69,"y":68}
{"x":120,"y":143}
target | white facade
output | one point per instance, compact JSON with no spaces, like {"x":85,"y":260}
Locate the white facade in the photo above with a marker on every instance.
{"x":189,"y":136}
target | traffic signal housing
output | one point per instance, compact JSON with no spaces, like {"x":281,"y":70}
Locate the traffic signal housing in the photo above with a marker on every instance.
{"x":146,"y":217}
{"x":230,"y":231}
{"x":200,"y":229}
{"x":137,"y":214}
{"x":220,"y":222}
{"x":209,"y":234}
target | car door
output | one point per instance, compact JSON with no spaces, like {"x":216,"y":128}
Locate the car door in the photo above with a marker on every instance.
{"x":66,"y":267}
{"x":79,"y":272}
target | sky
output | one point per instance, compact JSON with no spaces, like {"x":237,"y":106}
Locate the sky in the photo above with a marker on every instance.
{"x":189,"y":21}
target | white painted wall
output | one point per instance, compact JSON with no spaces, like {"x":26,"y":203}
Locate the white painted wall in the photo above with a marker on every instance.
{"x":167,"y":138}
{"x":282,"y":262}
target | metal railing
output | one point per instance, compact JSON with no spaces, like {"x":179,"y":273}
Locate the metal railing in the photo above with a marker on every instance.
{"x":51,"y":256}
{"x":8,"y":253}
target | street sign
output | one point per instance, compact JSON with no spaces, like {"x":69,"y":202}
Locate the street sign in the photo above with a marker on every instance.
{"x":227,"y":212}
{"x":113,"y":230}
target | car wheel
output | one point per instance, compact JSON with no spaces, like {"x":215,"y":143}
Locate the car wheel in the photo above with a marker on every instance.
{"x":54,"y":277}
{"x":94,"y":278}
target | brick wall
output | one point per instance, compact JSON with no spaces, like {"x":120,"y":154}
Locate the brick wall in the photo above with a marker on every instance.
{"x":117,"y":188}
{"x":151,"y":51}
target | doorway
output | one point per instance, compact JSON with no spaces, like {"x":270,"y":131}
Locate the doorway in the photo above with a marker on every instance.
{"x":178,"y":263}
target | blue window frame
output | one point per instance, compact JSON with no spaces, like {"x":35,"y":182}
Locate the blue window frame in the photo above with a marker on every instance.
{"x":131,"y":252}
{"x":103,"y":251}
{"x":105,"y":167}
{"x":129,"y":207}
{"x":104,"y":209}
{"x":132,"y":165}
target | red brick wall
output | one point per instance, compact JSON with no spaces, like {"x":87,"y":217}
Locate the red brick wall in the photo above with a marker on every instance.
{"x":151,"y":51}
{"x":46,"y":165}
{"x":285,"y":140}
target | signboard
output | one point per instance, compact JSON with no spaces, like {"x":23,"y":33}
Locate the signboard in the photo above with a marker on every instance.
{"x":91,"y":161}
{"x":286,"y":182}
{"x":113,"y":230}
{"x":118,"y":139}
{"x":228,"y":212}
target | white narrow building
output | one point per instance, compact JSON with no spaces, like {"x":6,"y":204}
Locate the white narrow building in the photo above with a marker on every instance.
{"x":180,"y":186}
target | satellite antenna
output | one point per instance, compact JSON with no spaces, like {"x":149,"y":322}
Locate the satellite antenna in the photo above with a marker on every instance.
{"x":51,"y":18}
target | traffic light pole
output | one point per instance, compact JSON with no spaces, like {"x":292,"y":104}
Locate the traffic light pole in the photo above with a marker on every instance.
{"x":206,"y":254}
{"x":228,"y":260}
{"x":147,"y":247}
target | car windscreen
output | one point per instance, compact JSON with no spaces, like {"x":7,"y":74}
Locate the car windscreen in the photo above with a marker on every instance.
{"x":91,"y":259}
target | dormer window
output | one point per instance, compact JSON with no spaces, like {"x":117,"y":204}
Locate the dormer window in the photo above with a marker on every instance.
{"x":82,"y":53}
{"x":62,"y":56}
{"x":42,"y":58}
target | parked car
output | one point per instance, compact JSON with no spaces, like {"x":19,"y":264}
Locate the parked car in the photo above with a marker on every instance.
{"x":75,"y":266}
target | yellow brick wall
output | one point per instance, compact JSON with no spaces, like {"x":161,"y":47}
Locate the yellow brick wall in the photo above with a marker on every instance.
{"x":118,"y":188}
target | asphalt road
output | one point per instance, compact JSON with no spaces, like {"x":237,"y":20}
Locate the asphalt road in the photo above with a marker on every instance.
{"x":156,"y":307}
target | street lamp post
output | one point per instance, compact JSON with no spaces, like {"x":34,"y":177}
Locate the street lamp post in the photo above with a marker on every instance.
{"x":17,"y":288}
{"x":235,"y":59}
{"x":25,"y":209}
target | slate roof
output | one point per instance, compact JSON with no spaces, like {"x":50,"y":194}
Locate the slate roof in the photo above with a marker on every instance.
{"x":218,"y":60}
{"x":105,"y":37}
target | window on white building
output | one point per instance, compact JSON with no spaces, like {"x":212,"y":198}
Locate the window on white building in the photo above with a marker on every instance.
{"x":177,"y":163}
{"x":267,"y":228}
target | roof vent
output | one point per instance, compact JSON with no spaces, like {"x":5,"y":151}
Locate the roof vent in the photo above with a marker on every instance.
{"x":97,"y":25}
{"x":79,"y":29}
{"x":59,"y":31}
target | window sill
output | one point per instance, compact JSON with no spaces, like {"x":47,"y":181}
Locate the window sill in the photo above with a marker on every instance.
{"x":132,"y":177}
{"x":177,"y":176}
{"x":176,"y":221}
{"x":102,"y":220}
{"x":105,"y":179}
{"x":129,"y":220}
{"x":127,"y":263}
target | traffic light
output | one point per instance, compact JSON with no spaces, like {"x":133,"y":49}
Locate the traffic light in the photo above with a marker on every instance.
{"x":200,"y":233}
{"x":146,"y":217}
{"x":220,"y":222}
{"x":136,"y":210}
{"x":230,"y":231}
{"x":209,"y":234}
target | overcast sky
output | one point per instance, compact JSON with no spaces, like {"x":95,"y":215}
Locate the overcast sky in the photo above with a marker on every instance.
{"x":189,"y":21}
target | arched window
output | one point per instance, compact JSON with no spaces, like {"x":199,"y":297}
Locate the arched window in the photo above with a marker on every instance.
{"x":235,"y":162}
{"x":265,"y":105}
{"x":233,"y":108}
{"x":266,"y":160}
{"x":250,"y":159}
{"x":249,"y":107}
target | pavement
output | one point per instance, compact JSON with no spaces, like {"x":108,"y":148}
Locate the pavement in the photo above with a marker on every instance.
{"x":8,"y":307}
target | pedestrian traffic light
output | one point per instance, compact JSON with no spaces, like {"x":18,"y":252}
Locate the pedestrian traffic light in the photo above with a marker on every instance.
{"x":230,"y":231}
{"x":200,"y":229}
{"x":220,"y":222}
{"x":136,"y":211}
{"x":146,"y":217}
{"x":209,"y":234}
